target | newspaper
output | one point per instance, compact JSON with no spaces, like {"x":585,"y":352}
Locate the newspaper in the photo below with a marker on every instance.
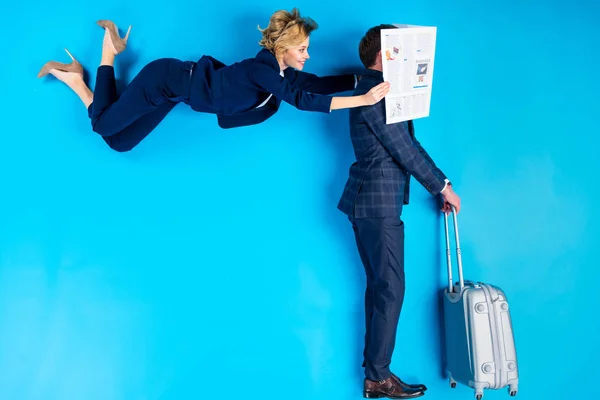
{"x":407,"y":57}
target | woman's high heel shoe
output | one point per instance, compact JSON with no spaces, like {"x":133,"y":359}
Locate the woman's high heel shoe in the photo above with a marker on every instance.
{"x":74,"y":66}
{"x":118,"y":44}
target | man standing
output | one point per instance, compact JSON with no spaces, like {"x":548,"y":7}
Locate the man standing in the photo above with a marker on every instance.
{"x":386,"y":157}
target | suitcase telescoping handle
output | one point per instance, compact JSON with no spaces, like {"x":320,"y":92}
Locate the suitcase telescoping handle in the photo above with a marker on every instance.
{"x":449,"y":254}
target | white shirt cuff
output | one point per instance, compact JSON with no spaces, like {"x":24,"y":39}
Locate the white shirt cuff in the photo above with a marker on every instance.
{"x":446,"y":181}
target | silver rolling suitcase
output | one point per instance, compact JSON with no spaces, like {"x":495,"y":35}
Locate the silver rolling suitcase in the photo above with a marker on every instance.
{"x":480,"y":346}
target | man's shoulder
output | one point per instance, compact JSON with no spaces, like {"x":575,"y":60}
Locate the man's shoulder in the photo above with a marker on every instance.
{"x":372,"y":112}
{"x":365,"y":84}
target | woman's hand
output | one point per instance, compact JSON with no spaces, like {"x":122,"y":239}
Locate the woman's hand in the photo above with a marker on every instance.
{"x":372,"y":97}
{"x":377,"y":93}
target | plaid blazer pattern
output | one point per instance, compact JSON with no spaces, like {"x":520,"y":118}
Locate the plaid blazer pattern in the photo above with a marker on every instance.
{"x":386,"y":157}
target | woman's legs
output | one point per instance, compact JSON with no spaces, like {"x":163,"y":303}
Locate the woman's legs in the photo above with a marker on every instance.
{"x":131,"y":136}
{"x":146,"y":93}
{"x":111,"y":114}
{"x":145,"y":102}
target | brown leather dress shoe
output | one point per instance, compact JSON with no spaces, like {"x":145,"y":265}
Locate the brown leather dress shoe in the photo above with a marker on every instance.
{"x":388,"y":388}
{"x":418,"y":386}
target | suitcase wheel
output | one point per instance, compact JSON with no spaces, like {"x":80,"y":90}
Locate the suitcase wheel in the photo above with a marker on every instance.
{"x":452,"y":383}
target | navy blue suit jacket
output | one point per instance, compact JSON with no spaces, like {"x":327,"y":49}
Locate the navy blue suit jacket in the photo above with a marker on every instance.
{"x":234,"y":91}
{"x":386,"y":157}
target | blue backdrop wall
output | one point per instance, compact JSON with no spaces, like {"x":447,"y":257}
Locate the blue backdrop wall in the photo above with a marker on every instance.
{"x":214,"y":263}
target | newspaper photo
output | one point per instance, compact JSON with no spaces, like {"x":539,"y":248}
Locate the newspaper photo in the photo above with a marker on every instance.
{"x":407,"y":56}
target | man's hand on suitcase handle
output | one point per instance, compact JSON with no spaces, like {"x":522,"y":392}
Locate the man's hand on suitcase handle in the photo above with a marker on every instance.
{"x":450,"y":199}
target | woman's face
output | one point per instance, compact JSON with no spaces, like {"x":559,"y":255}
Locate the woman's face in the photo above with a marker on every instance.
{"x":296,"y":56}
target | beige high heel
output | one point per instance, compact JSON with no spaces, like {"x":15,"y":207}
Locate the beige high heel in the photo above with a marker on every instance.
{"x":118,"y":43}
{"x":74,"y":66}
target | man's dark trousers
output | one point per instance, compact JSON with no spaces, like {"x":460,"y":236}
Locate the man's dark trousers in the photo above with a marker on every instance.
{"x":380,"y":243}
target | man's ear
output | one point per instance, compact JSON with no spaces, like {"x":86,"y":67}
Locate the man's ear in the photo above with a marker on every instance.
{"x":378,"y":59}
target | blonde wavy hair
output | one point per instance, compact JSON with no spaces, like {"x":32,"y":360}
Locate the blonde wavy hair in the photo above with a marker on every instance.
{"x":286,"y":29}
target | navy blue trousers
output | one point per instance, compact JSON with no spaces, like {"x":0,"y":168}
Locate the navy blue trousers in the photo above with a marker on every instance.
{"x":380,"y":243}
{"x":124,"y":121}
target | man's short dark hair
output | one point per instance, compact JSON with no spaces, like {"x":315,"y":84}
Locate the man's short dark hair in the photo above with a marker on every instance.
{"x":370,"y":44}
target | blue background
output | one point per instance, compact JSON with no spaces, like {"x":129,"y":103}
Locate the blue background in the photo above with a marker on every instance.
{"x":210,"y":263}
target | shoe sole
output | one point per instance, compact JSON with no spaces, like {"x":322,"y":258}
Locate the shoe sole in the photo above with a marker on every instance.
{"x":371,"y":395}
